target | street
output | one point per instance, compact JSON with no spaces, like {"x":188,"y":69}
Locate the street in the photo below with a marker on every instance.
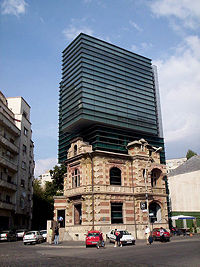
{"x":181,"y":251}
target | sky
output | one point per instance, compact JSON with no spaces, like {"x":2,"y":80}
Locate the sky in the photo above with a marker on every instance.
{"x":33,"y":35}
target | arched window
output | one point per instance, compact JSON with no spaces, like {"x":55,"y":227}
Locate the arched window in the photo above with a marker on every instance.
{"x":75,"y":150}
{"x":155,"y":174}
{"x":76,"y":178}
{"x":115,"y":176}
{"x":155,"y":211}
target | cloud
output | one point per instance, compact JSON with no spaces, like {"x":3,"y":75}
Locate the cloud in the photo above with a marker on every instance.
{"x":135,"y":26}
{"x":43,"y":165}
{"x":72,"y":31}
{"x":13,"y":7}
{"x":179,"y":81}
{"x":187,"y":11}
{"x":143,"y":46}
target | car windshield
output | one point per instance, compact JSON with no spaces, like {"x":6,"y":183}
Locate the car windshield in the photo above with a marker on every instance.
{"x":158,"y":230}
{"x":4,"y":232}
{"x":43,"y":232}
{"x":124,"y":232}
{"x":20,"y":231}
{"x":93,"y":234}
{"x":30,"y":233}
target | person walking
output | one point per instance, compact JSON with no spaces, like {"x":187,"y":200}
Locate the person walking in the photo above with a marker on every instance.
{"x":117,"y":238}
{"x":56,"y":236}
{"x":162,"y":237}
{"x":147,"y":232}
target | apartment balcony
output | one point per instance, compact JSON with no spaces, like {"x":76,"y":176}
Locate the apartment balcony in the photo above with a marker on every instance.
{"x":103,"y":189}
{"x":8,"y":185}
{"x":9,"y":124}
{"x":7,"y":206}
{"x":9,"y":145}
{"x":141,"y":190}
{"x":8,"y":164}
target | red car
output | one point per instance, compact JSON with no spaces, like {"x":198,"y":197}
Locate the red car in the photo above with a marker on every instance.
{"x":156,"y":234}
{"x":93,"y":238}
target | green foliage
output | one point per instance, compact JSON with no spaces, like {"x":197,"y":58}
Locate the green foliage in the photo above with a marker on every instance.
{"x":42,"y":205}
{"x":190,"y":154}
{"x":58,"y":173}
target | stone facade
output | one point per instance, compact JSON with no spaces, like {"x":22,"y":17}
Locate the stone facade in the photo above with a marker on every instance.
{"x":104,"y":190}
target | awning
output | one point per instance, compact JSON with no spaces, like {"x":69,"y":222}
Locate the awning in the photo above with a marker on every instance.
{"x":182,"y":217}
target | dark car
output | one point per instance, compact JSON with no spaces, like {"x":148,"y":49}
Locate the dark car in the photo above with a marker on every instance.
{"x":156,"y":235}
{"x":8,"y":235}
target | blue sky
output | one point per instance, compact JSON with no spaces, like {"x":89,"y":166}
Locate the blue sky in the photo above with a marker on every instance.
{"x":34,"y":34}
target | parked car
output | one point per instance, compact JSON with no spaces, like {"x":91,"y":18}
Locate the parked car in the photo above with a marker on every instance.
{"x":20,"y":233}
{"x":93,"y":238}
{"x":32,"y":237}
{"x":127,"y":237}
{"x":44,"y":234}
{"x":8,"y":235}
{"x":156,"y":234}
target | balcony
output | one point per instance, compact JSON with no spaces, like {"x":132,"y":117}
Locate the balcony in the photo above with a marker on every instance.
{"x":8,"y":185}
{"x":9,"y":145}
{"x":8,"y":164}
{"x":8,"y":124}
{"x":140,"y":190}
{"x":105,"y":189}
{"x":6,"y":205}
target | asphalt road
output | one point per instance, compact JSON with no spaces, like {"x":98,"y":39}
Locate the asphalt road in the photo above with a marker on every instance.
{"x":182,"y":251}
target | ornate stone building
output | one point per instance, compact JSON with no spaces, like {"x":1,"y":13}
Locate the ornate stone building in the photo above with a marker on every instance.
{"x":105,"y":190}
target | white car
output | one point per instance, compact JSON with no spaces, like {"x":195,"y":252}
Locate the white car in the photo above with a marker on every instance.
{"x":20,"y":233}
{"x":126,"y":238}
{"x":44,"y":234}
{"x":32,"y":237}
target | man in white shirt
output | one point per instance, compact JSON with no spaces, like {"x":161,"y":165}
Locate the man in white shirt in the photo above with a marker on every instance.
{"x":147,"y":232}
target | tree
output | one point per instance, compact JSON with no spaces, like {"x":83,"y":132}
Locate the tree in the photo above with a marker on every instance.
{"x":58,"y":173}
{"x":42,"y":206}
{"x":190,"y":154}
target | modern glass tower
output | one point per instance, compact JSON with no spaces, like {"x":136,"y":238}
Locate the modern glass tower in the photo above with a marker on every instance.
{"x":108,"y":96}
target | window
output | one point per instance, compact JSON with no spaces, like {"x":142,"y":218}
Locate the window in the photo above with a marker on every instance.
{"x":76,"y":178}
{"x":9,"y":178}
{"x":8,"y":199}
{"x":23,"y":165}
{"x":22,"y":183}
{"x":77,"y":214}
{"x":116,"y":213}
{"x":115,"y":176}
{"x":25,"y":131}
{"x":24,"y":114}
{"x":75,"y":150}
{"x":155,"y":174}
{"x":24,"y":149}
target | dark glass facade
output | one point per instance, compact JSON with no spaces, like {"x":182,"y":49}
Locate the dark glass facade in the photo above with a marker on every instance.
{"x":107,"y":96}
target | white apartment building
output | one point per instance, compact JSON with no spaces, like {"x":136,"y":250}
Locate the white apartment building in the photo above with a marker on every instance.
{"x":16,"y":163}
{"x":45,"y":177}
{"x":172,"y":164}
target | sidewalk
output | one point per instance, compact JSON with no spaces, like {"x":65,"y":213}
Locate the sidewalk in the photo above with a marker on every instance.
{"x":139,"y":242}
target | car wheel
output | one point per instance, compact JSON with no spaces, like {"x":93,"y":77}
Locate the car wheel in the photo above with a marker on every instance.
{"x":25,"y":244}
{"x":86,"y":246}
{"x":134,"y":242}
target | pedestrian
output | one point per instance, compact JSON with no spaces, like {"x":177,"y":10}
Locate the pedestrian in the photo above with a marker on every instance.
{"x":120,"y":238}
{"x":117,"y":238}
{"x":162,"y":236}
{"x":56,"y":236}
{"x":150,"y":238}
{"x":147,"y":232}
{"x":50,"y":235}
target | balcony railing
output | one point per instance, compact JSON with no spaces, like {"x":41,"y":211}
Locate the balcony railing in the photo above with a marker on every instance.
{"x":8,"y":144}
{"x":8,"y":185}
{"x":4,"y":120}
{"x":6,"y":205}
{"x":8,"y":164}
